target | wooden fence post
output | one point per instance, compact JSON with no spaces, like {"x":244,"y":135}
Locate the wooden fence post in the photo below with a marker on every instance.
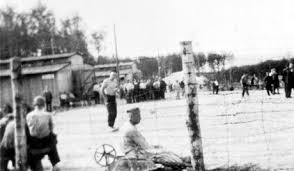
{"x":192,"y":122}
{"x":20,"y":134}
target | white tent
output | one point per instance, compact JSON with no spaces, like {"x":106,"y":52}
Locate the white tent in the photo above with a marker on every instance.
{"x":180,"y":76}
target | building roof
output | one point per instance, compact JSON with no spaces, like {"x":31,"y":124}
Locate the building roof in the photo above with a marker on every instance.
{"x":37,"y":70}
{"x":37,"y":58}
{"x":107,"y":73}
{"x":113,"y":65}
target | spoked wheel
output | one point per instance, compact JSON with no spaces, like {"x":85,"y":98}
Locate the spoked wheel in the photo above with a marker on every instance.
{"x":105,"y":155}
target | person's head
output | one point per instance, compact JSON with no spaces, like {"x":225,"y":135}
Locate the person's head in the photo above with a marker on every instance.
{"x":134,"y":116}
{"x":113,"y":75}
{"x":39,"y":102}
{"x":27,"y":108}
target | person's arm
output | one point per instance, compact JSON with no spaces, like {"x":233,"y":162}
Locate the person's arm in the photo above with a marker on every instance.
{"x":139,"y":140}
{"x":50,"y":123}
{"x":103,"y":88}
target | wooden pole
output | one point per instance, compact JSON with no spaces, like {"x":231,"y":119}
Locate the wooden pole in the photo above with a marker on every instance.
{"x":158,"y":63}
{"x":20,"y":135}
{"x":116,"y":55}
{"x":192,"y":122}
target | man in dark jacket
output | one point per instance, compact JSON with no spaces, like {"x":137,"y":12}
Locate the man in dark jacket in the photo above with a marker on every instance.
{"x":48,"y":99}
{"x":162,"y":89}
{"x":288,"y":78}
{"x":244,"y":84}
{"x":268,"y":81}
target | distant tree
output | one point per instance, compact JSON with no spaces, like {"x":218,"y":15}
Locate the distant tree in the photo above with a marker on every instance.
{"x":200,"y":60}
{"x":148,"y":66}
{"x":41,"y":27}
{"x":97,"y":40}
{"x":21,"y":34}
{"x":214,"y":60}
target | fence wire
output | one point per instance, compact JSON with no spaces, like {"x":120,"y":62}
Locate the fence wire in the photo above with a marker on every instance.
{"x":267,"y":114}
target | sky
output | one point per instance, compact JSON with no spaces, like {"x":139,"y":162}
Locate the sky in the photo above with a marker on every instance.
{"x":253,"y":30}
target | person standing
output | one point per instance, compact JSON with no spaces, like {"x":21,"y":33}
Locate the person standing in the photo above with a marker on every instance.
{"x":288,"y":78}
{"x":216,"y":84}
{"x":268,"y":83}
{"x":109,"y":89}
{"x":162,"y":87}
{"x":96,"y":89}
{"x":177,"y":88}
{"x":213,"y":87}
{"x":276,"y":81}
{"x":244,"y":84}
{"x":48,"y":99}
{"x":182,"y":85}
{"x":130,"y":90}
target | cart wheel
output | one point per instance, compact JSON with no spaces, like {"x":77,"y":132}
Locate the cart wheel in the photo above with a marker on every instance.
{"x":105,"y":155}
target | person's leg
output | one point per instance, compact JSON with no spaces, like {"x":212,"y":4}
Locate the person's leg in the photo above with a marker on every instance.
{"x":243,"y":91}
{"x":6,"y":155}
{"x":247,"y":91}
{"x":111,"y":107}
{"x":3,"y":164}
{"x":36,"y":165}
{"x":53,"y":156}
{"x":3,"y":160}
{"x":286,"y":90}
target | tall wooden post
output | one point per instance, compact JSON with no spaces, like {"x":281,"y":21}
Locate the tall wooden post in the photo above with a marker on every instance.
{"x":192,"y":122}
{"x":20,"y":135}
{"x":116,"y":55}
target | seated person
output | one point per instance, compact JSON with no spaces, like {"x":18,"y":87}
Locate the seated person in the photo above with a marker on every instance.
{"x":41,"y":136}
{"x":134,"y":145}
{"x":133,"y":142}
{"x":7,"y":153}
{"x":7,"y":127}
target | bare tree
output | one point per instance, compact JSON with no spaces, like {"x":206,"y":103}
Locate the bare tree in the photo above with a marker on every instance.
{"x":97,"y":40}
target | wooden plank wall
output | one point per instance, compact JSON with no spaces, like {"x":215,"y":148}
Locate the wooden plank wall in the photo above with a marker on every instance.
{"x":5,"y":91}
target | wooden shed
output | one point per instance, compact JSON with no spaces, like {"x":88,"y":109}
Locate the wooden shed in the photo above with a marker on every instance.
{"x":53,"y":71}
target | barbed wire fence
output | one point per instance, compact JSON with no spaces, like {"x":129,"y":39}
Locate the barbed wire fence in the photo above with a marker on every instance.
{"x":264,"y":116}
{"x":258,"y":129}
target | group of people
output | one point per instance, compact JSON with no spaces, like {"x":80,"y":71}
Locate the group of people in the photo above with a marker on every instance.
{"x":178,"y":87}
{"x":271,"y":81}
{"x":143,"y":90}
{"x":41,"y":140}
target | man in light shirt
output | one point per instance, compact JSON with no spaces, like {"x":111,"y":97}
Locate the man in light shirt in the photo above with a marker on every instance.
{"x":41,"y":136}
{"x":109,"y":89}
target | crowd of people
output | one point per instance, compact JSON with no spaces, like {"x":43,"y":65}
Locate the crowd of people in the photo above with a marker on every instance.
{"x":271,"y":82}
{"x":143,"y":90}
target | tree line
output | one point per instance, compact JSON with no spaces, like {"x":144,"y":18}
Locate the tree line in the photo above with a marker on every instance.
{"x":165,"y":65}
{"x":234,"y":74}
{"x":22,"y":34}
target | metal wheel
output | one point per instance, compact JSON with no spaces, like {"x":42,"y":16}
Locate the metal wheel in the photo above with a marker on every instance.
{"x":105,"y":155}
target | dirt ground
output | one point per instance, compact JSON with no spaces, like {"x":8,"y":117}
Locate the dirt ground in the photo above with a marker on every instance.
{"x":258,"y":129}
